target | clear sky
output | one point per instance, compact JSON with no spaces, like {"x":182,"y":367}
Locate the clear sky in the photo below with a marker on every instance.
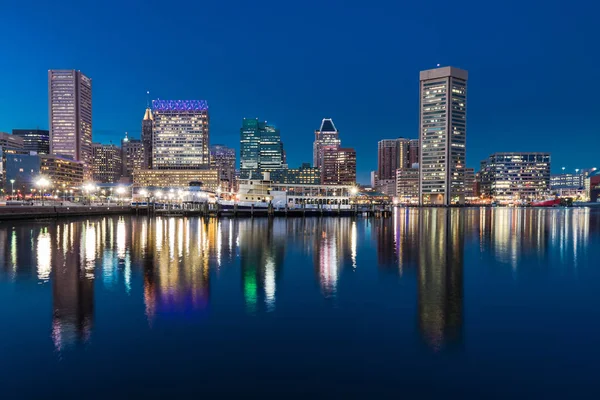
{"x":533,"y":68}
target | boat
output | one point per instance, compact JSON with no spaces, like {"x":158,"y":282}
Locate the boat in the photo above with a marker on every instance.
{"x":553,"y":202}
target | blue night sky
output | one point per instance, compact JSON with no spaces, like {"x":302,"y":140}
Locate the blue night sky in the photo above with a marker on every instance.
{"x":294,"y":63}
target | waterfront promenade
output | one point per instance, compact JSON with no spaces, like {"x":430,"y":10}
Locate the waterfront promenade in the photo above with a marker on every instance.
{"x":53,"y":211}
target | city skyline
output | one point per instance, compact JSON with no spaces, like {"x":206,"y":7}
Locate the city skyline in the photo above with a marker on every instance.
{"x":509,"y":102}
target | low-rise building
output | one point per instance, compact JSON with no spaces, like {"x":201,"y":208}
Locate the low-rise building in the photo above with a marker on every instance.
{"x":304,"y":175}
{"x":106,"y":163}
{"x":19,"y":170}
{"x":8,"y":141}
{"x":407,"y":185}
{"x":178,"y":178}
{"x":63,"y":173}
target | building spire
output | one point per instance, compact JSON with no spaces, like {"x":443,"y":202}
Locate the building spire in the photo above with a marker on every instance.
{"x":147,"y":99}
{"x":126,"y":139}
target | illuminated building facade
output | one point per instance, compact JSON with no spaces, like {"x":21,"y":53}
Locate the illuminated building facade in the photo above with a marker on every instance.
{"x":8,"y":141}
{"x":407,"y":185}
{"x":106,"y":166}
{"x":470,"y":187}
{"x":133,"y":155}
{"x":413,"y":152}
{"x":147,"y":123}
{"x":70,"y":111}
{"x":338,"y":166}
{"x":37,"y":140}
{"x":516,"y":176}
{"x":305,"y":174}
{"x":177,"y":178}
{"x":443,"y":107}
{"x":326,"y":136}
{"x":20,"y":166}
{"x":62,"y":172}
{"x":391,"y":155}
{"x":261,"y":150}
{"x":180,"y":134}
{"x":222,"y":158}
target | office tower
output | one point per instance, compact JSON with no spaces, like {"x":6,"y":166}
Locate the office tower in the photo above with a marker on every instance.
{"x":70,"y":112}
{"x":326,"y":135}
{"x":180,"y":134}
{"x":8,"y":141}
{"x":516,"y":176}
{"x":304,"y":175}
{"x":374,"y":179}
{"x":37,"y":140}
{"x":261,"y":150}
{"x":443,"y":106}
{"x":147,"y":137}
{"x":338,"y":166}
{"x":107,"y":163}
{"x":413,"y":152}
{"x":389,"y":157}
{"x":222,"y":158}
{"x":133,"y":155}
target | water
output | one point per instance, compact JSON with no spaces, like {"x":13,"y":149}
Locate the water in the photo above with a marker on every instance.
{"x":433,"y":302}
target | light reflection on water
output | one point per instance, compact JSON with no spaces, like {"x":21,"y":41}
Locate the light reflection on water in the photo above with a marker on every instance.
{"x":183,"y":266}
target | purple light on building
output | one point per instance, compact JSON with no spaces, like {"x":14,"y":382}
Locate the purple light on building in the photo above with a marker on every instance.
{"x":179,"y":105}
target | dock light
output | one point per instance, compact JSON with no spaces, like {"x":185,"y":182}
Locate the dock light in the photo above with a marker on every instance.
{"x":158,"y":194}
{"x":120,"y":190}
{"x":144,"y":192}
{"x":354,"y":191}
{"x":42,"y":183}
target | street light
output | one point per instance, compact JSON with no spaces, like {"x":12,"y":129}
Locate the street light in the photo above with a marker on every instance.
{"x":12,"y":186}
{"x":120,"y":191}
{"x":43,"y":183}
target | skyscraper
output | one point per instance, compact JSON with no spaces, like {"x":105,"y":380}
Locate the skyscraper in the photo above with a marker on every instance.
{"x":222,"y":158}
{"x":392,"y":154}
{"x":147,"y":137}
{"x":338,"y":166}
{"x":261,"y":150}
{"x":413,"y":152}
{"x":37,"y":140}
{"x":70,"y":116}
{"x":326,"y":135}
{"x":106,"y":166}
{"x":133,"y":155}
{"x":443,"y":106}
{"x":180,"y":134}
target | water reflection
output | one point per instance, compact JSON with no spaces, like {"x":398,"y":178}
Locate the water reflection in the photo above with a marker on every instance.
{"x":175,"y":264}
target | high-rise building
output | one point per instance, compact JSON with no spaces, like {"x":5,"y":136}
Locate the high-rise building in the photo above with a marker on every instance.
{"x":180,"y":134}
{"x":516,"y":176}
{"x":222,"y":158}
{"x":443,"y":107}
{"x":261,"y":150}
{"x":37,"y":140}
{"x":133,"y":156}
{"x":338,"y":166}
{"x":391,"y":155}
{"x":107,"y":164}
{"x":326,"y":135}
{"x":70,"y":114}
{"x":470,"y":187}
{"x":413,"y":152}
{"x":147,"y":137}
{"x":8,"y":141}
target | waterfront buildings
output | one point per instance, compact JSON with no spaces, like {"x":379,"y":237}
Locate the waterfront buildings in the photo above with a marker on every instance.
{"x":338,"y":166}
{"x":8,"y":141}
{"x":515,"y":176}
{"x":407,"y":185}
{"x":261,"y":150}
{"x":37,"y":140}
{"x":107,"y":163}
{"x":413,"y":152}
{"x":326,"y":136}
{"x":593,"y":185}
{"x":180,"y":134}
{"x":222,"y":158}
{"x":304,"y":175}
{"x":133,"y":156}
{"x":64,"y":173}
{"x":442,"y":109}
{"x":147,"y":123}
{"x":391,"y":155}
{"x":470,"y":186}
{"x":152,"y":178}
{"x":70,"y":116}
{"x":19,"y":170}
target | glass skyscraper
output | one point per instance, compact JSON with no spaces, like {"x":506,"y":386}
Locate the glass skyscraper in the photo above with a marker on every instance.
{"x":443,"y":107}
{"x":261,"y":150}
{"x":37,"y":140}
{"x":180,"y":134}
{"x":70,"y":114}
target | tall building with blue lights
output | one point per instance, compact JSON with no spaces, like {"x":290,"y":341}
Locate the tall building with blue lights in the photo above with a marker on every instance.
{"x":261,"y":150}
{"x":180,"y":134}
